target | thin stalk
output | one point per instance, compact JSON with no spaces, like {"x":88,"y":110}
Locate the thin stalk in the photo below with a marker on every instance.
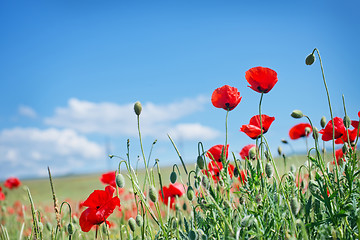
{"x":147,"y":177}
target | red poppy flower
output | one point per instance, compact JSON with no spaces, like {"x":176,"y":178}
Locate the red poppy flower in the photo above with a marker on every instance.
{"x":359,"y":114}
{"x":226,"y":97}
{"x":253,"y":128}
{"x":171,"y":192}
{"x":214,"y":169}
{"x":12,"y":182}
{"x":245,"y":151}
{"x":109,"y":178}
{"x":339,"y":155}
{"x":352,"y":133}
{"x":2,"y":196}
{"x":261,"y":79}
{"x":101,"y":205}
{"x":299,"y":131}
{"x":327,"y":132}
{"x":214,"y":153}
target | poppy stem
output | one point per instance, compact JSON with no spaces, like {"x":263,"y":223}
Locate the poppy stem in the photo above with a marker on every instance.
{"x":331,"y":115}
{"x":147,"y":176}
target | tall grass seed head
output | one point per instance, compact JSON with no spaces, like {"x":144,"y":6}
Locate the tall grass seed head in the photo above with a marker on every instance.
{"x":173,"y":177}
{"x":132,"y":224}
{"x":310,"y":59}
{"x":137,"y":108}
{"x":153,"y":194}
{"x":120,"y":181}
{"x":297,"y":114}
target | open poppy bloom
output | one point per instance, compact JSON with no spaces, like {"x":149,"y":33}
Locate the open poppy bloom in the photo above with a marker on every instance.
{"x":171,"y":192}
{"x":261,"y":79}
{"x":299,"y":131}
{"x":109,"y":178}
{"x":327,"y":132}
{"x":339,"y":155}
{"x":350,"y":135}
{"x":2,"y":195}
{"x":226,"y":97}
{"x":253,"y":128}
{"x":214,"y":153}
{"x":12,"y":182}
{"x":101,"y":205}
{"x":214,"y":169}
{"x":245,"y":151}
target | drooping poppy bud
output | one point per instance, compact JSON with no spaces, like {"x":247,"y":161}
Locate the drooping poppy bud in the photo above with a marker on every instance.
{"x":132,"y":224}
{"x":120,"y":181}
{"x":310,"y":59}
{"x":139,"y":220}
{"x":315,"y":133}
{"x":137,"y":108}
{"x":200,"y":162}
{"x":153,"y":194}
{"x":173,"y":177}
{"x":190,"y":193}
{"x":70,"y":228}
{"x":295,"y":206}
{"x":347,"y":121}
{"x":297,"y":114}
{"x":269,"y":170}
{"x":323,"y":122}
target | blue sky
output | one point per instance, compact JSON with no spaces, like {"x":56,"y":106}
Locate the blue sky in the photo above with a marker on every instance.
{"x":72,"y":70}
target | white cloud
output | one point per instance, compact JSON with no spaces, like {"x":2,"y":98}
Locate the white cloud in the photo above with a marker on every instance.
{"x":113,"y":119}
{"x":27,"y":111}
{"x":29,"y":150}
{"x":193,"y":131}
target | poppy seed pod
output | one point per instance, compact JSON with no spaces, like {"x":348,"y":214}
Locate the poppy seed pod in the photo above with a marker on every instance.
{"x":310,"y":59}
{"x":137,"y":108}
{"x":295,"y":206}
{"x":139,"y":220}
{"x":200,"y":162}
{"x":120,"y":181}
{"x":153,"y":194}
{"x":347,"y":121}
{"x":268,"y":170}
{"x":323,"y":122}
{"x":252,"y":153}
{"x":297,"y":114}
{"x":173,"y":177}
{"x":190,"y":193}
{"x":41,"y":226}
{"x":70,"y":228}
{"x":132,"y":224}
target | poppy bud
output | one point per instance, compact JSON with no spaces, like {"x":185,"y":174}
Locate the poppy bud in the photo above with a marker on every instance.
{"x":345,"y":148}
{"x":323,"y":121}
{"x":173,"y":177}
{"x":132,"y":224}
{"x":310,"y":59}
{"x":252,"y":153}
{"x":120,"y":181}
{"x":284,"y":141}
{"x":279,"y":150}
{"x":153,"y":194}
{"x":190,"y":193}
{"x":315,"y":133}
{"x":297,"y":114}
{"x":105,"y":229}
{"x":70,"y":228}
{"x":268,"y":170}
{"x":139,"y":220}
{"x":200,"y":162}
{"x":307,"y":131}
{"x":192,"y":235}
{"x":184,"y":207}
{"x":236,"y":172}
{"x":48,"y":226}
{"x":295,"y":206}
{"x":137,"y":108}
{"x":347,"y":121}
